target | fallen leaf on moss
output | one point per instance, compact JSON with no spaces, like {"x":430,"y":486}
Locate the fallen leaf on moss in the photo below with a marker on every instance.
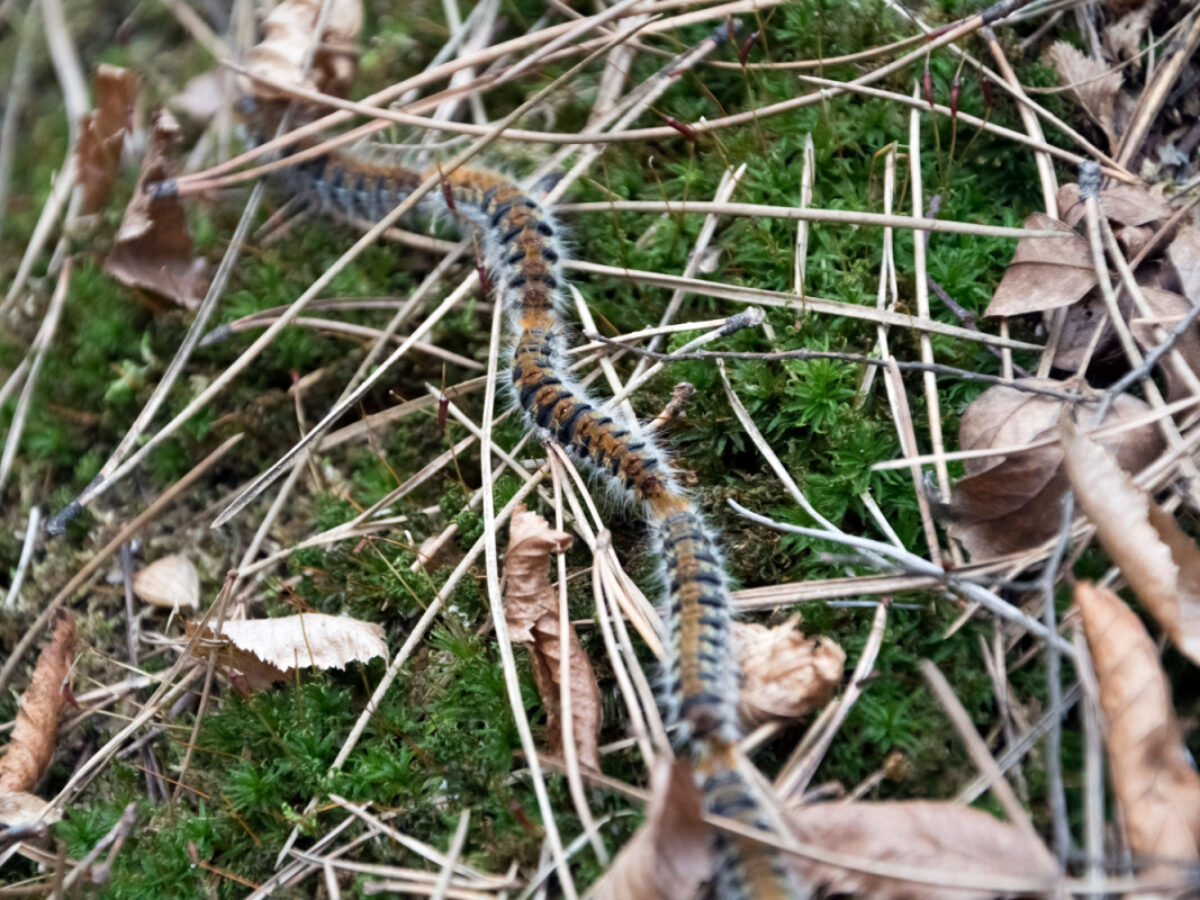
{"x":102,"y":133}
{"x":1160,"y":562}
{"x":670,"y":856}
{"x":784,"y":674}
{"x":1156,"y":786}
{"x":1011,"y":502}
{"x":31,"y":748}
{"x":171,"y":582}
{"x":289,"y":31}
{"x":531,"y":611}
{"x":1046,"y":272}
{"x":153,"y":249}
{"x":263,"y":651}
{"x":923,"y":835}
{"x":1092,"y":83}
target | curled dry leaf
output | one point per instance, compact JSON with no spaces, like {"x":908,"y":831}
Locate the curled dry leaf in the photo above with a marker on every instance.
{"x":531,"y":610}
{"x":1124,"y":204}
{"x":1184,"y":255}
{"x":289,"y":32}
{"x":1168,"y":309}
{"x":29,"y":752}
{"x":102,"y":133}
{"x":153,"y":249}
{"x":1160,"y":562}
{"x":171,"y":582}
{"x":670,"y":856}
{"x":1156,"y":786}
{"x":1046,"y":272}
{"x":258,"y":652}
{"x":784,"y":674}
{"x":1011,"y":502}
{"x":1092,"y":83}
{"x":922,"y":835}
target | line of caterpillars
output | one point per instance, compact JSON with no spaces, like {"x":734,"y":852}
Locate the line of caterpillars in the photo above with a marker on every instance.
{"x":523,"y":256}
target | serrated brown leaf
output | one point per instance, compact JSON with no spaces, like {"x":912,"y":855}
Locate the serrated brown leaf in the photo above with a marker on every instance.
{"x":1045,"y":272}
{"x":153,"y":249}
{"x":670,"y":856}
{"x":263,"y":651}
{"x":171,"y":582}
{"x":1156,"y":786}
{"x":1168,"y":309}
{"x":1160,"y":562}
{"x":924,"y":835}
{"x":1011,"y":502}
{"x":1124,"y":204}
{"x":784,"y":673}
{"x":531,"y":611}
{"x":288,"y":32}
{"x":102,"y":133}
{"x":1093,"y":84}
{"x":1184,"y":255}
{"x":31,"y":748}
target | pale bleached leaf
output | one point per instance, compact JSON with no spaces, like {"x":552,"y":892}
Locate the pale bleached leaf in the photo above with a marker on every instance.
{"x":1184,"y":255}
{"x":265,"y":650}
{"x":1011,"y":502}
{"x":784,"y":674}
{"x":1155,"y":784}
{"x":918,"y":835}
{"x":671,"y":855}
{"x":1046,"y":272}
{"x":1160,"y":562}
{"x":288,"y":32}
{"x":531,"y":611}
{"x":171,"y":582}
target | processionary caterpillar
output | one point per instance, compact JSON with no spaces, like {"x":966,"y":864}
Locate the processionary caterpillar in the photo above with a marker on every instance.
{"x":523,"y":259}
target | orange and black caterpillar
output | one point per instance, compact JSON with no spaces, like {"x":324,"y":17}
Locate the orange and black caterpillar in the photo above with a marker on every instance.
{"x":524,"y":251}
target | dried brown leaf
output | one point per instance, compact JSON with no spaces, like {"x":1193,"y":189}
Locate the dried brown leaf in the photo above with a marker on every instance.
{"x":153,"y":249}
{"x":171,"y":582}
{"x":1093,"y":84}
{"x":924,"y":835}
{"x":1045,"y":272}
{"x":1122,"y":37}
{"x":1184,"y":255}
{"x":1168,"y":309}
{"x":102,"y":133}
{"x":784,"y":674}
{"x":1011,"y":502}
{"x":1125,"y":204}
{"x":32,"y":746}
{"x":670,"y":856}
{"x":262,"y":651}
{"x":288,"y":32}
{"x":1160,"y":562}
{"x":1155,"y":785}
{"x":531,"y":610}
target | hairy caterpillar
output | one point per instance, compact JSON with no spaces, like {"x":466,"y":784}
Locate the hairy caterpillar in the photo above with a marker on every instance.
{"x":523,"y":252}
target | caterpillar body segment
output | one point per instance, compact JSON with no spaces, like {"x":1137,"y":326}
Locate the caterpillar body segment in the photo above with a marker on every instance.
{"x":748,"y":870}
